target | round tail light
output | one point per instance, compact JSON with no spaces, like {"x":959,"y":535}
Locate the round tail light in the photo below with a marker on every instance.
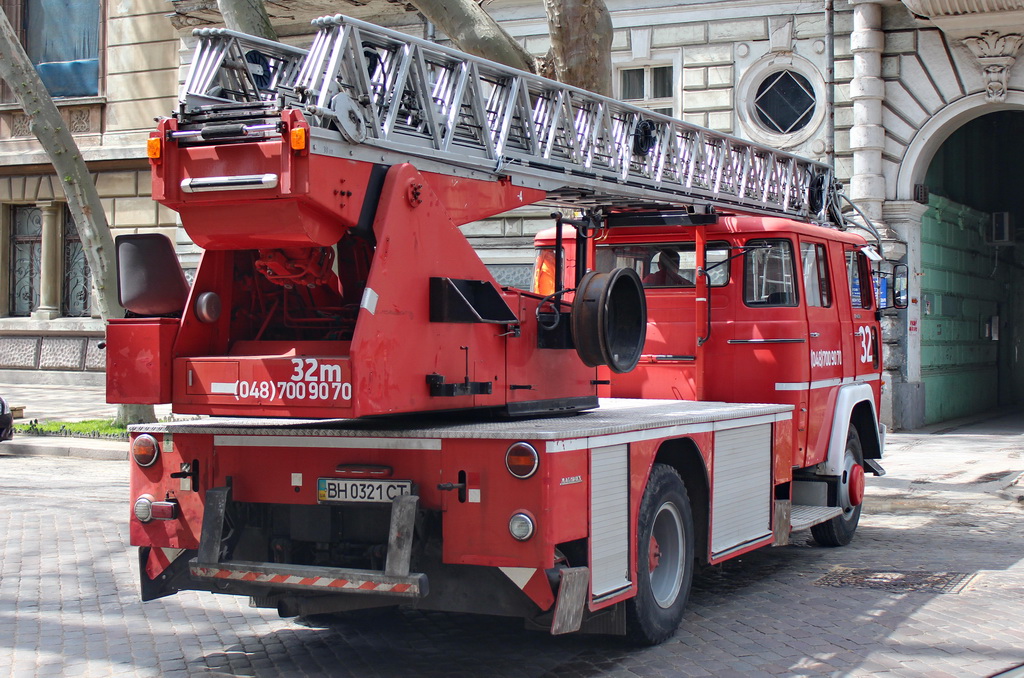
{"x":522,"y":460}
{"x":521,"y":526}
{"x":145,"y":450}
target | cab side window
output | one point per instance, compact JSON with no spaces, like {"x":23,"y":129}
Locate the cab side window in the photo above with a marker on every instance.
{"x":817,"y":288}
{"x":769,"y":277}
{"x":668,"y":264}
{"x":859,"y":273}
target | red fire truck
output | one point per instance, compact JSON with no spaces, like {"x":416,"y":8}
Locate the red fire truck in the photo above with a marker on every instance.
{"x":383,"y":424}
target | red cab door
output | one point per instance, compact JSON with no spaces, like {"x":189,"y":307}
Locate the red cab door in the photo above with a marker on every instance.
{"x":828,"y":352}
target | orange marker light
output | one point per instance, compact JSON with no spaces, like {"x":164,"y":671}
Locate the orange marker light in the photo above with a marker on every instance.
{"x":298,"y":138}
{"x":153,"y":147}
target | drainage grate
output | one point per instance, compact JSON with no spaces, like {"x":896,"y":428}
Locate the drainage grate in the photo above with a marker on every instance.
{"x":898,"y":581}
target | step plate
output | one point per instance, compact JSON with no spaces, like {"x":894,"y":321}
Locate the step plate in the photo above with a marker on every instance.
{"x":313,"y":578}
{"x":805,"y":516}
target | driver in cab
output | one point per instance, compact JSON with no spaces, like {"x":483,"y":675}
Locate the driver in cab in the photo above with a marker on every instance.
{"x":668,"y":274}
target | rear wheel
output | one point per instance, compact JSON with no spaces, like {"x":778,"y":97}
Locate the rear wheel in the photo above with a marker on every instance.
{"x":664,"y":559}
{"x":839,"y":530}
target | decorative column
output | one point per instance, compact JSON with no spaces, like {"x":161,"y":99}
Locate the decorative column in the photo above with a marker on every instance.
{"x":49,"y":274}
{"x":867,"y":136}
{"x":903,"y":399}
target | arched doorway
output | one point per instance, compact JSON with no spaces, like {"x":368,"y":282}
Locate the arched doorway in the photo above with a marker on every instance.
{"x":970,"y":349}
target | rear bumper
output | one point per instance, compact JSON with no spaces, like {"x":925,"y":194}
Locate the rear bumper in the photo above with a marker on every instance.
{"x":312,"y":578}
{"x":394,"y":581}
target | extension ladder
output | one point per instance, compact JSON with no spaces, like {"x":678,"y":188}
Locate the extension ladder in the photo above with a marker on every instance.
{"x":394,"y":97}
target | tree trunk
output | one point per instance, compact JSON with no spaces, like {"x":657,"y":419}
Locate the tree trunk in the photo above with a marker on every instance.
{"x":83,"y":199}
{"x":581,"y":43}
{"x":474,"y":31}
{"x":247,"y":16}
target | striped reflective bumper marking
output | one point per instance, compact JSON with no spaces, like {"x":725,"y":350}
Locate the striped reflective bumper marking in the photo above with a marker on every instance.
{"x":311,"y":582}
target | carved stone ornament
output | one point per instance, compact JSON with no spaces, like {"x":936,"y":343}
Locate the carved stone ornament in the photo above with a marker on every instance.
{"x":996,"y":54}
{"x":20,"y":126}
{"x":79,"y":120}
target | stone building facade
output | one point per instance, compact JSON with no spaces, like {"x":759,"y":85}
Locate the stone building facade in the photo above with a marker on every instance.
{"x":916,"y":102}
{"x":919,"y":107}
{"x":48,"y":332}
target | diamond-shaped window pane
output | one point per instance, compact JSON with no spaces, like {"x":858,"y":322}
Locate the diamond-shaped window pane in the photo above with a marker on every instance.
{"x":784,"y":102}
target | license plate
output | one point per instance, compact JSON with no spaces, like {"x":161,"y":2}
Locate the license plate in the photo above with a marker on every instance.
{"x":343,"y":491}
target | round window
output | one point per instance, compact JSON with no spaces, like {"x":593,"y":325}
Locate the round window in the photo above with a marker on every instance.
{"x":780,"y":101}
{"x":784,"y":102}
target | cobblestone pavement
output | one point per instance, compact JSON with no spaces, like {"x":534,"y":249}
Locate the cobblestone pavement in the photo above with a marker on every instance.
{"x":933,"y":585}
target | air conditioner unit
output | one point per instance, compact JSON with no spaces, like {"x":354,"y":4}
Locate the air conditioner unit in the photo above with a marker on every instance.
{"x":1001,"y":232}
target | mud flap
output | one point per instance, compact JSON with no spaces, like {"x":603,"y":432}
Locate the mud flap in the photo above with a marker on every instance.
{"x":171,"y":579}
{"x":215,"y":506}
{"x":782,"y":524}
{"x":572,"y":596}
{"x":403,"y":522}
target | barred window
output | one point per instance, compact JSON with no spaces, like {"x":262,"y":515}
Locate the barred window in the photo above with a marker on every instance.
{"x":26,"y":259}
{"x":76,"y":300}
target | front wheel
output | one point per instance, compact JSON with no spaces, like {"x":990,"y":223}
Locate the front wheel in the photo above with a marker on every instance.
{"x":665,"y":546}
{"x":839,"y":530}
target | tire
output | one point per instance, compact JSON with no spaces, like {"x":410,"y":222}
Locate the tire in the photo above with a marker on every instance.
{"x":839,"y":530}
{"x":664,"y":531}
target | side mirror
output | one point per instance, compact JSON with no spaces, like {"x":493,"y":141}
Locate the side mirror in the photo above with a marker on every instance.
{"x":150,"y":281}
{"x":900,"y":285}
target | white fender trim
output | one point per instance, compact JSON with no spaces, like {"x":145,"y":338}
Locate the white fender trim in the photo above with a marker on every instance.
{"x":849,"y":397}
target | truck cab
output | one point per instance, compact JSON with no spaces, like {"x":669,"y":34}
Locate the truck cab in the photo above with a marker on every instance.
{"x":752,"y":309}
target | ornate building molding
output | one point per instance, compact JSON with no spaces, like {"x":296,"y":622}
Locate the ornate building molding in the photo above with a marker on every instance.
{"x":996,"y":53}
{"x":970,"y":22}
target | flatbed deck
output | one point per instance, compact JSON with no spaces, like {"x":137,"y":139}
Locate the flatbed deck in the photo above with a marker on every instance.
{"x":614,"y":417}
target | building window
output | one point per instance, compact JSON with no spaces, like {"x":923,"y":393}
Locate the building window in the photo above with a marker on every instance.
{"x":26,"y":277}
{"x":779,"y":101}
{"x":784,"y":102}
{"x":76,"y":300}
{"x":61,"y":38}
{"x":652,"y":86}
{"x":26,"y":259}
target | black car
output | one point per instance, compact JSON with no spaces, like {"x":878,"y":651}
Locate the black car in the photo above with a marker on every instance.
{"x":6,"y":421}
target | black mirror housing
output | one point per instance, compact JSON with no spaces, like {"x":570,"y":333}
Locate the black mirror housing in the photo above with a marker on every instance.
{"x":900,"y":286}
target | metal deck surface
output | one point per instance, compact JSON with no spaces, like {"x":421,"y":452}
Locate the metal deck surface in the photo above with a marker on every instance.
{"x":615,"y":415}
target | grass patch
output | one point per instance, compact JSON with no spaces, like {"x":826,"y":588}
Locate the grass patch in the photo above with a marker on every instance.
{"x":91,"y":428}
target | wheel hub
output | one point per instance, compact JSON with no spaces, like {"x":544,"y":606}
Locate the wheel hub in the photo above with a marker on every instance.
{"x":665,"y":555}
{"x":653,"y":555}
{"x":855,"y":487}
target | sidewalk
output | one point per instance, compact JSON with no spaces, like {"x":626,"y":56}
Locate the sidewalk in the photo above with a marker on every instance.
{"x":982,"y":455}
{"x":64,"y":403}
